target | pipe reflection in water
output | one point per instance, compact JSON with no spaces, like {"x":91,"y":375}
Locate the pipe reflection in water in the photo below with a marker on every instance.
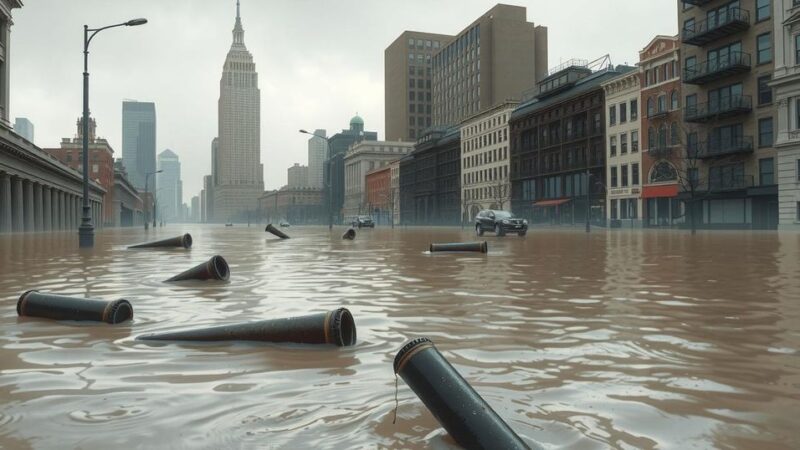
{"x":481,"y":247}
{"x":184,"y":241}
{"x":271,"y":228}
{"x":61,"y":307}
{"x":460,"y":410}
{"x":335,"y":327}
{"x":215,"y":268}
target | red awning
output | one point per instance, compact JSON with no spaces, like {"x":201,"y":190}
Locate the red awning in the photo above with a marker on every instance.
{"x":556,"y":202}
{"x":668,"y":190}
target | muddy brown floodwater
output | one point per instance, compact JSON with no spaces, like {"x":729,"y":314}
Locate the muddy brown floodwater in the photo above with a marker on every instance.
{"x":613,"y":340}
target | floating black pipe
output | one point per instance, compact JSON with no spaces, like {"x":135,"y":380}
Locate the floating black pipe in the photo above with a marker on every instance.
{"x":457,"y":407}
{"x":215,"y":268}
{"x":61,"y":307}
{"x":350,"y":234}
{"x":276,"y":231}
{"x":482,"y":247}
{"x":184,"y":241}
{"x":335,"y":327}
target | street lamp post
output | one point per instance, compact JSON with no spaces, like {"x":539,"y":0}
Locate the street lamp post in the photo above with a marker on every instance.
{"x":86,"y":230}
{"x":146,"y":186}
{"x":328,"y":184}
{"x":588,"y":200}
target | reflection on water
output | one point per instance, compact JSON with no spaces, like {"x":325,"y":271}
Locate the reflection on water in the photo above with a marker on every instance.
{"x":617,"y":339}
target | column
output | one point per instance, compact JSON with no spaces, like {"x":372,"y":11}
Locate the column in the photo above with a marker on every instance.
{"x":27,"y":195}
{"x":37,"y":207}
{"x":47,"y":205}
{"x":61,"y":222}
{"x":56,"y":211}
{"x":5,"y":202}
{"x":16,"y":204}
{"x":72,"y":211}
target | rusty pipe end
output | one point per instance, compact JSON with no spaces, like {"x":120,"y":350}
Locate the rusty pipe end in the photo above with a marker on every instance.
{"x":21,"y":302}
{"x":220,"y":267}
{"x":410,"y":349}
{"x":342,"y":328}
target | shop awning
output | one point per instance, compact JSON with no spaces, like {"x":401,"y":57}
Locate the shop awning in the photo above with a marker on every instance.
{"x":668,"y":190}
{"x":545,"y":203}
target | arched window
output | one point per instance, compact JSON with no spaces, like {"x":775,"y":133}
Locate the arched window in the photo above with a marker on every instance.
{"x":662,"y":136}
{"x":663,"y":171}
{"x":651,"y":108}
{"x":674,"y":134}
{"x":674,"y":100}
{"x":651,"y":137}
{"x":662,"y":103}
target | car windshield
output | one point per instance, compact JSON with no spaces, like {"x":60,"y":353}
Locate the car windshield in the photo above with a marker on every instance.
{"x":502,"y":215}
{"x":364,"y":217}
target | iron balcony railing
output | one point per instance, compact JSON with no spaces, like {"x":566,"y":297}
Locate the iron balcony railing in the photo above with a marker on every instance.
{"x":717,"y":68}
{"x":719,"y":109}
{"x":705,"y":31}
{"x":660,"y":151}
{"x":730,"y":183}
{"x":714,"y":148}
{"x":697,"y":2}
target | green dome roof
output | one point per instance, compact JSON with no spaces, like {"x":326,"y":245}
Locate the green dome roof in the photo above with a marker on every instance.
{"x":356,"y":120}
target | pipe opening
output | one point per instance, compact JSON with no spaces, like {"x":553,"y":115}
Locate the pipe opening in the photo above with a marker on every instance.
{"x":187,"y":240}
{"x":407,"y":349}
{"x":343,"y":327}
{"x":121,"y":311}
{"x":221,"y":267}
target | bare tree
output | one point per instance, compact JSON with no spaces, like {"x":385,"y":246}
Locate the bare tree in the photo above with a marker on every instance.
{"x":390,"y":197}
{"x":500,"y":191}
{"x":466,"y":205}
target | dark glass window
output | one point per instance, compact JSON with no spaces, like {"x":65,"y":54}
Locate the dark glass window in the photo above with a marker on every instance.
{"x":612,"y":115}
{"x":613,"y":177}
{"x":765,"y":132}
{"x":763,"y":9}
{"x":764,"y":90}
{"x":764,"y":48}
{"x":766,"y":171}
{"x":634,"y":109}
{"x":635,"y":174}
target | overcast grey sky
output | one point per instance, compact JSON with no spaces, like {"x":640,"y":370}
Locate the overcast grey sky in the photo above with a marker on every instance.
{"x":319,"y":62}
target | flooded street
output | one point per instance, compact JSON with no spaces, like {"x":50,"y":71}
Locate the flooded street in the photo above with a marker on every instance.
{"x":617,"y":339}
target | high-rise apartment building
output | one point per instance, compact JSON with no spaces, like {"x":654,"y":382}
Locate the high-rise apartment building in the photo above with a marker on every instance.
{"x":297,"y":176}
{"x":24,"y":128}
{"x":139,"y":142}
{"x":408,"y":73}
{"x":728,"y":51}
{"x":317,"y":153}
{"x":497,"y":57}
{"x":170,"y":187}
{"x":239,"y":178}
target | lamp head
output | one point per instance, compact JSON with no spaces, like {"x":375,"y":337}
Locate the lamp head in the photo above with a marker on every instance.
{"x":135,"y":22}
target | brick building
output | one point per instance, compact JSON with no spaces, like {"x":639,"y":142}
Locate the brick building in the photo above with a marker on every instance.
{"x":380,"y":195}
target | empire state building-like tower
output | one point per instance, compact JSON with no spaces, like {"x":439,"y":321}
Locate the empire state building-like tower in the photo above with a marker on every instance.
{"x":239,"y":177}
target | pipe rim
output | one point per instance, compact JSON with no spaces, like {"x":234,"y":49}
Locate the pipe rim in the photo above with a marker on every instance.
{"x":118,"y":311}
{"x":342,"y":328}
{"x":408,"y":350}
{"x":221,"y":269}
{"x":485,"y":247}
{"x":21,"y":302}
{"x":186,"y":240}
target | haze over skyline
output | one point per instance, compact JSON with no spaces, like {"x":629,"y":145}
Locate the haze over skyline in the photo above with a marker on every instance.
{"x":319,"y":63}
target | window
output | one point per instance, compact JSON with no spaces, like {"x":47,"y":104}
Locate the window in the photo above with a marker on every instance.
{"x":614,"y":209}
{"x":688,"y":25}
{"x":613,"y":144}
{"x":634,"y":109}
{"x":624,"y":171}
{"x":766,"y":171}
{"x":674,"y":100}
{"x":798,"y":212}
{"x":635,"y":174}
{"x":623,"y":144}
{"x":764,"y":48}
{"x":651,"y":109}
{"x":798,"y":170}
{"x":662,"y":103}
{"x":623,"y":112}
{"x":674,"y":134}
{"x":612,"y":115}
{"x":689,"y":64}
{"x":651,"y":138}
{"x":762,"y":10}
{"x":662,"y":136}
{"x":634,"y":141}
{"x":764,"y":90}
{"x":765,"y":132}
{"x":663,"y":171}
{"x":613,"y":177}
{"x":691,"y":102}
{"x":797,"y":49}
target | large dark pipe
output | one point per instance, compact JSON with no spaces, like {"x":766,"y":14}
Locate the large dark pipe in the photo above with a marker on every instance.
{"x":184,"y":241}
{"x":61,"y":307}
{"x":215,"y":268}
{"x":334,"y":327}
{"x":350,"y":234}
{"x":276,"y":231}
{"x":457,"y":407}
{"x":482,"y":247}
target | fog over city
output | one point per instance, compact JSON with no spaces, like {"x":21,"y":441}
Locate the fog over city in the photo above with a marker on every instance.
{"x":319,"y":63}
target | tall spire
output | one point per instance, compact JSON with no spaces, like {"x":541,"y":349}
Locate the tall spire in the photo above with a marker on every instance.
{"x":238,"y":31}
{"x":237,"y":10}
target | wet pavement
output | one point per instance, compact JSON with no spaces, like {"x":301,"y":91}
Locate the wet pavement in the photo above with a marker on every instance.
{"x":617,"y":339}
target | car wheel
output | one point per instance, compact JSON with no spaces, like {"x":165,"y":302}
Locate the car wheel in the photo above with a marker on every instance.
{"x":522,"y":233}
{"x":498,"y":230}
{"x":478,"y":230}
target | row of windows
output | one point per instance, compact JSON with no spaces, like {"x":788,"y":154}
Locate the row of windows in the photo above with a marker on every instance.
{"x":419,"y":58}
{"x":485,"y":125}
{"x":498,"y":154}
{"x":419,"y":83}
{"x":731,"y":53}
{"x":624,"y":208}
{"x":496,"y":192}
{"x":421,"y":109}
{"x":658,"y":140}
{"x":659,"y":104}
{"x":419,"y":96}
{"x":419,"y":121}
{"x":486,"y":175}
{"x":624,"y":175}
{"x":623,"y":143}
{"x":623,"y":112}
{"x":420,"y":44}
{"x":486,"y":139}
{"x":663,"y":72}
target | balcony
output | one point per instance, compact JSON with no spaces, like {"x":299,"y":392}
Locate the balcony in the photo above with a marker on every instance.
{"x":697,"y":2}
{"x":725,"y":107}
{"x":709,"y":30}
{"x":730,"y":183}
{"x":721,"y":67}
{"x":656,"y":113}
{"x":723,"y":147}
{"x":660,"y":151}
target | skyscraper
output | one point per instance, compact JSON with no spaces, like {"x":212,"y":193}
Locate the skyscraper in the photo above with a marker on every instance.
{"x":24,"y":128}
{"x":317,"y":153}
{"x":139,"y":142}
{"x":170,"y":191}
{"x":239,"y":180}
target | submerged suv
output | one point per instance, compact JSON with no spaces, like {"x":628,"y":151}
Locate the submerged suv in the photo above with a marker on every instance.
{"x":363,"y":221}
{"x":500,"y":222}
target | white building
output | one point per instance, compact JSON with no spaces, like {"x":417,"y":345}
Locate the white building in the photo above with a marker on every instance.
{"x":170,"y":187}
{"x":786,"y":82}
{"x":485,"y":160}
{"x":317,"y":154}
{"x":360,"y":159}
{"x":623,"y":158}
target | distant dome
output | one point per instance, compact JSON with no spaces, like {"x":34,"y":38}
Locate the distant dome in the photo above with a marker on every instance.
{"x":356,"y":120}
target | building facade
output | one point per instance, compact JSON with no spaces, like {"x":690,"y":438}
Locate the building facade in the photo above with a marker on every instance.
{"x":664,"y":165}
{"x":360,"y":159}
{"x":728,"y":61}
{"x":298,"y":206}
{"x":5,"y":43}
{"x":170,"y":187}
{"x":394,"y":193}
{"x":297,"y":176}
{"x":786,"y":83}
{"x":497,"y":57}
{"x":334,"y":173}
{"x":379,"y":194}
{"x":24,"y":128}
{"x":239,"y":177}
{"x":139,"y":142}
{"x":558,"y":141}
{"x":485,"y":162}
{"x":429,"y":179}
{"x":407,"y":83}
{"x":127,"y":206}
{"x":317,"y":154}
{"x":623,"y":158}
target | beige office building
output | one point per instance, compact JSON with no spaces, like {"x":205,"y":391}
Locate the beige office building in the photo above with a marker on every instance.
{"x":496,"y":58}
{"x":407,"y":78}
